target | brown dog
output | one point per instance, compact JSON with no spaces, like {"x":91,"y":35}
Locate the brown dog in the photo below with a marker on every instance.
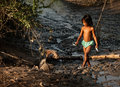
{"x":52,"y":53}
{"x":49,"y":54}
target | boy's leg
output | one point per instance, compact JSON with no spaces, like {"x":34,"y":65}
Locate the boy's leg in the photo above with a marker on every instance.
{"x":88,"y":49}
{"x":84,"y":62}
{"x":86,"y":52}
{"x":88,"y":62}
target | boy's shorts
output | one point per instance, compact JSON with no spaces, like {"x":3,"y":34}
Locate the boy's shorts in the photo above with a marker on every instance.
{"x":86,"y":44}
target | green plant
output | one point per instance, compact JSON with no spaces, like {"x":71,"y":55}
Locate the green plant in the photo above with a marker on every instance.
{"x":19,"y":19}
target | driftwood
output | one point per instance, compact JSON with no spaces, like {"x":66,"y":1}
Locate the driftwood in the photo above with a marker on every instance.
{"x":8,"y":56}
{"x":109,"y":56}
{"x":104,"y":56}
{"x":43,"y":65}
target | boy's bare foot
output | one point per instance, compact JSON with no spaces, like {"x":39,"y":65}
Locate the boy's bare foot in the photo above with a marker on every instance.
{"x":89,"y":66}
{"x":80,"y":67}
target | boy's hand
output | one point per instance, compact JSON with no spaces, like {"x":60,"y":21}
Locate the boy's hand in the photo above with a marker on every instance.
{"x":96,"y":46}
{"x":76,"y":43}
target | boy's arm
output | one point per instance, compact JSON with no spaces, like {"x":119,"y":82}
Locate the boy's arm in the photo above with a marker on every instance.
{"x":81,"y":33}
{"x":95,"y":39}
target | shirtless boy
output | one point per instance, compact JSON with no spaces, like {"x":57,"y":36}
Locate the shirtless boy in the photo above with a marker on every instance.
{"x":87,"y":31}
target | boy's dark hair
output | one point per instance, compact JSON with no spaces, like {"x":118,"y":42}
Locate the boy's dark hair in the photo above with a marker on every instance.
{"x":88,"y":20}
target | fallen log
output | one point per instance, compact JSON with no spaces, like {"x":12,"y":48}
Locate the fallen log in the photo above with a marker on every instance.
{"x":17,"y":60}
{"x":109,"y":56}
{"x":102,"y":56}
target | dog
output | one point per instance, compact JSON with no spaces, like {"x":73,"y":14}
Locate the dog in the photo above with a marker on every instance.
{"x":51,"y":53}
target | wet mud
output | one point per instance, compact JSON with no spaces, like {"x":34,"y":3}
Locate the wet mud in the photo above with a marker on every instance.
{"x":64,"y":73}
{"x":64,"y":22}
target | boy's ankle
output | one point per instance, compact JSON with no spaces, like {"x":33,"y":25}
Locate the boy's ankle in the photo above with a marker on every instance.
{"x":83,"y":66}
{"x":89,"y":66}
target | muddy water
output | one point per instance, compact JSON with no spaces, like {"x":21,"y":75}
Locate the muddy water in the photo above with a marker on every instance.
{"x":64,"y":22}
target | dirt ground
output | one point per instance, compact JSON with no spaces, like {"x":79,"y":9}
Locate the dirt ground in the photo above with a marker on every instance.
{"x":19,"y":66}
{"x":22,"y":72}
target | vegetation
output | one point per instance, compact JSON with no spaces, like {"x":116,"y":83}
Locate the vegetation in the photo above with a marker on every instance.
{"x":18,"y":19}
{"x":15,"y":17}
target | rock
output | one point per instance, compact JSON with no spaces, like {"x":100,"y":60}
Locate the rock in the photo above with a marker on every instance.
{"x":41,"y":84}
{"x":35,"y":67}
{"x":12,"y":80}
{"x":59,"y":71}
{"x":42,"y":62}
{"x":44,"y":66}
{"x":85,"y":71}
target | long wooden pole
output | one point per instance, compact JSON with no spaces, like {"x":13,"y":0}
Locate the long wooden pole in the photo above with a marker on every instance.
{"x":98,"y":23}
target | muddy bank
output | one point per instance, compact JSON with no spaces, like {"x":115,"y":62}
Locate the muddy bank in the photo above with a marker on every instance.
{"x":65,"y":24}
{"x":64,"y":72}
{"x":16,"y":72}
{"x":15,"y":53}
